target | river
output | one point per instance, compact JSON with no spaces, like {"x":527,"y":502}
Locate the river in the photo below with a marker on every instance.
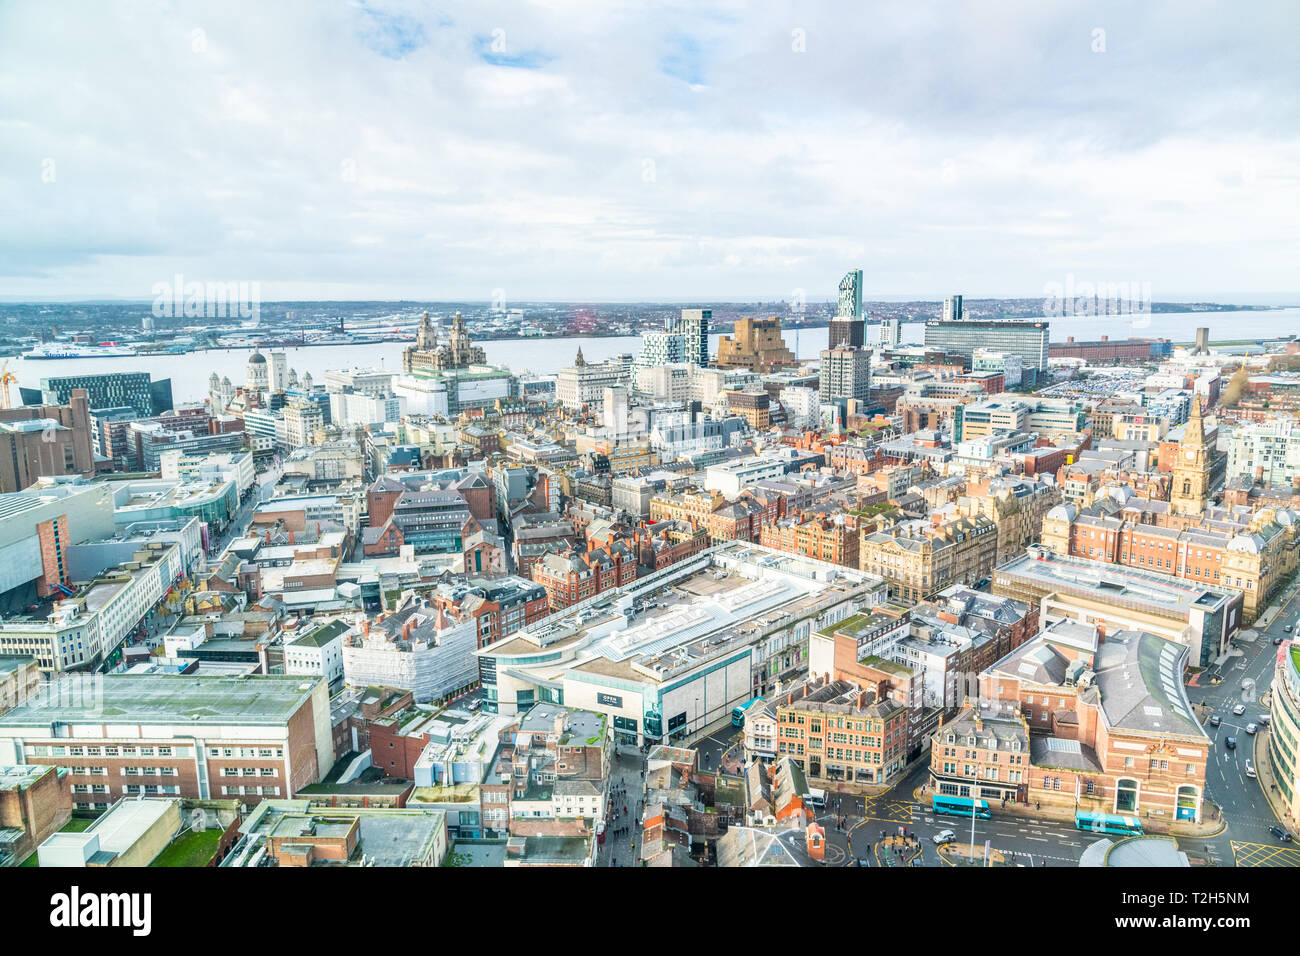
{"x":189,"y":373}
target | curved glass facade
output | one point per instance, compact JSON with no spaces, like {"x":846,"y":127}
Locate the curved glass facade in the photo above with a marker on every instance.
{"x":1284,"y":741}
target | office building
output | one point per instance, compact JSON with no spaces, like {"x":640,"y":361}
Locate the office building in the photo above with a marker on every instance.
{"x":583,"y":383}
{"x":1093,"y":592}
{"x":952,"y":309}
{"x":45,"y":440}
{"x":135,"y":390}
{"x":198,"y":738}
{"x":920,"y":558}
{"x":1025,"y":340}
{"x":757,"y":345}
{"x":458,"y":352}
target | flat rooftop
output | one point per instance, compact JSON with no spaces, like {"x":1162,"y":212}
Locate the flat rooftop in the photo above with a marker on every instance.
{"x":20,"y":778}
{"x":162,"y":699}
{"x":1110,"y":582}
{"x":10,"y":663}
{"x":126,"y":821}
{"x":705,"y":607}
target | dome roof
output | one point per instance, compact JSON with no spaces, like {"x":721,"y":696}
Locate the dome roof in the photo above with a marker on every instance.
{"x":1062,"y":513}
{"x":1244,"y":542}
{"x":256,"y":359}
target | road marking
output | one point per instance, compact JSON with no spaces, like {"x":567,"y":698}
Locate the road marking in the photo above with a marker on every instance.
{"x":1039,"y":839}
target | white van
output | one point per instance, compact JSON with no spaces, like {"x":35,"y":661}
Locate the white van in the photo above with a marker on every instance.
{"x":816,"y":798}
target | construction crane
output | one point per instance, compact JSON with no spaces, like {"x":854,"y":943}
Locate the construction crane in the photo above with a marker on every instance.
{"x":7,"y":378}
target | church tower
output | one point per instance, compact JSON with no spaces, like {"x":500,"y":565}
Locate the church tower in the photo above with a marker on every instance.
{"x":1191,"y":472}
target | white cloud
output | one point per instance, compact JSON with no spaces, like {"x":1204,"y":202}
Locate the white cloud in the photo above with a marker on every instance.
{"x":379,"y":150}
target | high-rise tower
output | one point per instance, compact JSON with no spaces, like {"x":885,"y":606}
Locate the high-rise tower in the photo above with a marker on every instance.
{"x":847,"y":328}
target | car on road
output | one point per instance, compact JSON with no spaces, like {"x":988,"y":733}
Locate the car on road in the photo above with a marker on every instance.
{"x":1251,"y":728}
{"x":1239,"y":709}
{"x":944,"y":836}
{"x":1216,"y":720}
{"x":1277,"y":639}
{"x":1250,"y":769}
{"x":1281,"y":834}
{"x":1264,"y":719}
{"x":1230,"y":743}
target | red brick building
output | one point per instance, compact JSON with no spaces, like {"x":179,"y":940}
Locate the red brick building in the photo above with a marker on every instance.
{"x":818,"y":536}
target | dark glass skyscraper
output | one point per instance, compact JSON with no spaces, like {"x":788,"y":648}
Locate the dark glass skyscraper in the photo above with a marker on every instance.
{"x":112,"y":390}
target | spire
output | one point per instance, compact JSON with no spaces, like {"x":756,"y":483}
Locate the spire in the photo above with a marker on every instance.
{"x":579,"y":361}
{"x":1195,"y":434}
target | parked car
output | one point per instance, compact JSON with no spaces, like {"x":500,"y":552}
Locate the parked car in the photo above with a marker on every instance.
{"x":1216,"y":720}
{"x":1280,"y":833}
{"x":1264,"y":719}
{"x":944,"y":836}
{"x":1250,"y":769}
{"x":1239,"y":709}
{"x":1251,"y":728}
{"x":1230,"y":743}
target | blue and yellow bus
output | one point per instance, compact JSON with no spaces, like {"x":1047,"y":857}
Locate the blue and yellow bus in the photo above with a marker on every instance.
{"x":961,"y":806}
{"x":738,"y":713}
{"x":1108,"y":823}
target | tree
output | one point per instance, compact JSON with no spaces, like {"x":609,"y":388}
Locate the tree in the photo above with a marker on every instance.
{"x":1235,"y":389}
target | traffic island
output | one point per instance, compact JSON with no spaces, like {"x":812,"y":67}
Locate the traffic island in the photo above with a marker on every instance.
{"x":959,"y":854}
{"x":897,"y":851}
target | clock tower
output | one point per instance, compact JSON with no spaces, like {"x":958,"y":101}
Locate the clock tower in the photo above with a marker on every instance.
{"x":1191,"y":471}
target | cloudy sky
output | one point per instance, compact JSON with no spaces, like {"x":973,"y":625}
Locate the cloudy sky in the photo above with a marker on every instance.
{"x":615,"y":151}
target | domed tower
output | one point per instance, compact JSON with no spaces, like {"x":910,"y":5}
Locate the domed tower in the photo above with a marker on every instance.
{"x":257,"y":376}
{"x":227,"y":391}
{"x":306,"y":381}
{"x":214,"y":386}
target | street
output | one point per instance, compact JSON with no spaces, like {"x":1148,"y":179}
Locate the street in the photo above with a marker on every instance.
{"x":622,"y":846}
{"x":263,"y":488}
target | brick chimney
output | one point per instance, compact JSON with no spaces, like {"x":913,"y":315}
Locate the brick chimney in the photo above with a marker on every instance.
{"x":406,"y":629}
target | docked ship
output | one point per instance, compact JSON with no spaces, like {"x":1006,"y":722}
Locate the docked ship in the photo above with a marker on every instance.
{"x":63,"y":350}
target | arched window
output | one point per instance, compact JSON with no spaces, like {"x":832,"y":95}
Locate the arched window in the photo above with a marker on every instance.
{"x":1126,"y":795}
{"x":1189,"y":802}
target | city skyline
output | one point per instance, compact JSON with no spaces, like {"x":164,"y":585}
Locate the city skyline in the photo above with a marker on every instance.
{"x":671,"y":154}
